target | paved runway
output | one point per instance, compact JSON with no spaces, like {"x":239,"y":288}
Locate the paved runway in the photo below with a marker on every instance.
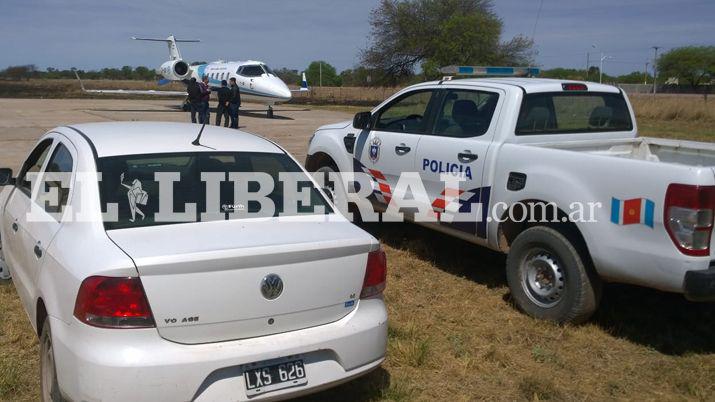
{"x":23,"y":121}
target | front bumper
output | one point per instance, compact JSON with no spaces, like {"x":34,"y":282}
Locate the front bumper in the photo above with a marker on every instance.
{"x":700,"y":285}
{"x":104,"y":364}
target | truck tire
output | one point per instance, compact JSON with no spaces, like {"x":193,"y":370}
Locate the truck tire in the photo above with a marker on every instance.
{"x":328,"y":187}
{"x":549,"y":278}
{"x":49,"y":387}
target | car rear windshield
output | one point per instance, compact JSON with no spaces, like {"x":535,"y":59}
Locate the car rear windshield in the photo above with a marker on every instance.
{"x":160,"y":189}
{"x":576,"y":112}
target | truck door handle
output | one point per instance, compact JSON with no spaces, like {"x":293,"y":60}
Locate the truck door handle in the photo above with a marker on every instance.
{"x":38,"y":250}
{"x":402,"y":149}
{"x":15,"y":228}
{"x":467,"y":156}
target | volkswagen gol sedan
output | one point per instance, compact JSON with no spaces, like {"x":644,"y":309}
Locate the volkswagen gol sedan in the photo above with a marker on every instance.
{"x":157,"y":263}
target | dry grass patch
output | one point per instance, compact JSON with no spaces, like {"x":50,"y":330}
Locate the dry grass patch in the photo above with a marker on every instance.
{"x":690,"y":108}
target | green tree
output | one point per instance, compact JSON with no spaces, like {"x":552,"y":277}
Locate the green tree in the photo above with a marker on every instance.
{"x":316,"y":69}
{"x":565,"y":74}
{"x":144,"y":73}
{"x":435,"y":33}
{"x":288,"y":76}
{"x":693,"y":64}
{"x":636,"y":77}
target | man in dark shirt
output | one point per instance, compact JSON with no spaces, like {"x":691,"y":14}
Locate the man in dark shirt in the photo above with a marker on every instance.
{"x":234,"y":103}
{"x":205,"y":96}
{"x":192,"y":89}
{"x":224,"y":95}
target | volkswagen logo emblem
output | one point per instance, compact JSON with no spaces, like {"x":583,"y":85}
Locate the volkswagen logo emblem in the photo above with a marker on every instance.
{"x":271,"y":286}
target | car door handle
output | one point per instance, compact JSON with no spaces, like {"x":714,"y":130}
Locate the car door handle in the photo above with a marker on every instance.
{"x":38,"y":250}
{"x":467,"y":156}
{"x":15,"y":228}
{"x":402,"y":149}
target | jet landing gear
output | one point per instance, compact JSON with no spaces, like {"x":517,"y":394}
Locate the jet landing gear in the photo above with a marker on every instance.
{"x":270,"y":111}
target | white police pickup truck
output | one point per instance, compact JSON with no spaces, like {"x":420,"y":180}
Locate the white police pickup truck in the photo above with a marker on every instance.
{"x":551,"y":172}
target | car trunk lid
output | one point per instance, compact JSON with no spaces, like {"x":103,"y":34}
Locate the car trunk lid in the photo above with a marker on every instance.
{"x":204,"y":280}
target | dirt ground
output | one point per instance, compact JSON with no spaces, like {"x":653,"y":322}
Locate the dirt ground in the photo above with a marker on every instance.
{"x":454,"y":333}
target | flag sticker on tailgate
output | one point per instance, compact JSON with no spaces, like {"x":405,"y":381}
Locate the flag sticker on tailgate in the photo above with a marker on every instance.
{"x":633,"y":211}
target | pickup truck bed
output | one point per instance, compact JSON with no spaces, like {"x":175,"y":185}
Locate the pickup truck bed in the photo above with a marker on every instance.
{"x":650,"y":149}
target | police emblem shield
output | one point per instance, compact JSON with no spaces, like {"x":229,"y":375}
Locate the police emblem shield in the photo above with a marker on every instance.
{"x":375,"y":149}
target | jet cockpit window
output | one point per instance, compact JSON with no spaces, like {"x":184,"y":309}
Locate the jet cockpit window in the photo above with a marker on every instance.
{"x":268,"y":69}
{"x":251,"y":71}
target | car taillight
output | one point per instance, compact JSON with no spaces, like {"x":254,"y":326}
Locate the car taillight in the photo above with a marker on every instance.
{"x":375,"y":274}
{"x":689,"y":217}
{"x":111,"y":302}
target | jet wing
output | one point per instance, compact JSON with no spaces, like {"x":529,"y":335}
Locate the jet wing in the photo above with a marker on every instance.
{"x":129,"y":91}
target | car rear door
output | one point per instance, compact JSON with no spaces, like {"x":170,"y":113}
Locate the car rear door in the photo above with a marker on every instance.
{"x":49,"y":203}
{"x":389,"y":148}
{"x":456,"y":146}
{"x":14,"y":221}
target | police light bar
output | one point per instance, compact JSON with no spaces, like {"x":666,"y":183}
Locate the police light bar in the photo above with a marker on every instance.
{"x":491,"y":71}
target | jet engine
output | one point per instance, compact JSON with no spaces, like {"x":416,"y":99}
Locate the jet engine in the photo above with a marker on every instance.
{"x":175,"y":70}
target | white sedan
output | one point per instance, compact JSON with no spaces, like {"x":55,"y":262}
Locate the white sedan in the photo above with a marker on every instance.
{"x":151,"y":268}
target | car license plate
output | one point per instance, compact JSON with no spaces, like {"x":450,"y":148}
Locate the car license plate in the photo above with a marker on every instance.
{"x":274,"y":377}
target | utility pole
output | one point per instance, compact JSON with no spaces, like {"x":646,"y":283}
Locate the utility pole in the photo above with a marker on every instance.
{"x":645,"y":74}
{"x":588,"y":63}
{"x":321,"y":73}
{"x":655,"y":69}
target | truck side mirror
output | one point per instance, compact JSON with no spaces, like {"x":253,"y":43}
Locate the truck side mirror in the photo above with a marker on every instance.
{"x":362,"y":120}
{"x":6,"y":178}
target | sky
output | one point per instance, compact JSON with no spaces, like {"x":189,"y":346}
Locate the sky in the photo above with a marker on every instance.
{"x":91,"y":34}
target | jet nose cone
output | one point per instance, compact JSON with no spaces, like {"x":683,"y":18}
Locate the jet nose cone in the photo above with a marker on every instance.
{"x":284,"y":91}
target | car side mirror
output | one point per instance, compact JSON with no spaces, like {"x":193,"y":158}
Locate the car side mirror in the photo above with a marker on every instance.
{"x":6,"y":178}
{"x":362,"y":120}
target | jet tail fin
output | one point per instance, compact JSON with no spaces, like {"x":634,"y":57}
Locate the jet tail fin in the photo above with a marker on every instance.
{"x":171,"y":42}
{"x":303,"y":85}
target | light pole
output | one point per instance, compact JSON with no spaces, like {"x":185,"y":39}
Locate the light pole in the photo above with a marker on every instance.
{"x":655,"y":68}
{"x":600,"y":69}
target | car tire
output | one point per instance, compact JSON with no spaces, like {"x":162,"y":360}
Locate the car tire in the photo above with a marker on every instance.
{"x":550,"y":276}
{"x":49,"y":387}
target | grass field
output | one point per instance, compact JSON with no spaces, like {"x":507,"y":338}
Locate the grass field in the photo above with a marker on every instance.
{"x":455,"y":335}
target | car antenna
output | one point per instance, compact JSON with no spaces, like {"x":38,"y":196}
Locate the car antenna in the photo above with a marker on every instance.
{"x":197,"y":141}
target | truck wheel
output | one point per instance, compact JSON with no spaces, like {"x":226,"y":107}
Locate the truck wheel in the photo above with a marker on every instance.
{"x":49,"y":387}
{"x":549,"y":278}
{"x":328,"y":186}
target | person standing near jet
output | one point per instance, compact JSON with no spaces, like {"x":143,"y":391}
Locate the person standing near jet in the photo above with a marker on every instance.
{"x":222,"y":110}
{"x":194,"y":92}
{"x":205,"y":96}
{"x":234,"y":103}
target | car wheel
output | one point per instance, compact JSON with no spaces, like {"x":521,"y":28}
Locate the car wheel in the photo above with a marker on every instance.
{"x":550,"y":278}
{"x":49,"y":387}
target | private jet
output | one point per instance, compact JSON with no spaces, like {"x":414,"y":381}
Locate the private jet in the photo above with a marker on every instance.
{"x":257,"y":82}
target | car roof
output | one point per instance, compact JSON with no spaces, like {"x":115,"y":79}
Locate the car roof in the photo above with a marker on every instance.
{"x":137,"y":138}
{"x":529,"y":85}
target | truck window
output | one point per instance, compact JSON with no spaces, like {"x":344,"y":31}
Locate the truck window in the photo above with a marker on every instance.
{"x":465,"y":113}
{"x":408,"y":114}
{"x":578,"y":112}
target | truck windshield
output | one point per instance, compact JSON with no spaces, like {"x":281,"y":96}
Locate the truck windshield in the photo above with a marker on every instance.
{"x":139,"y":190}
{"x":573,"y":112}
